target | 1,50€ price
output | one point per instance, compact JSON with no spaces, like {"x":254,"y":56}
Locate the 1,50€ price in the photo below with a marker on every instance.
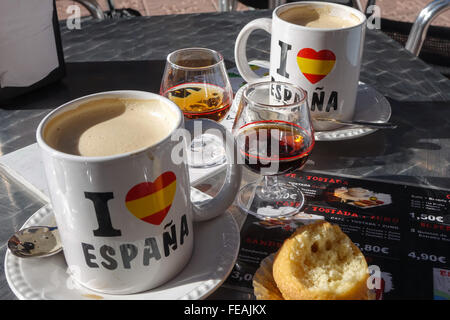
{"x":427,"y":217}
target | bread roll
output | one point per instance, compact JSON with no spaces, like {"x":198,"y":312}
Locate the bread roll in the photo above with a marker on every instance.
{"x":319,"y":262}
{"x":264,"y":286}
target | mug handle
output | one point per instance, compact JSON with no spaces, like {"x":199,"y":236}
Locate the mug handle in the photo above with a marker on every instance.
{"x":240,"y":53}
{"x":214,"y":207}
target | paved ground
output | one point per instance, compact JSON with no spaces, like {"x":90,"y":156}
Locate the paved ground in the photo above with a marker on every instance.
{"x":400,"y":10}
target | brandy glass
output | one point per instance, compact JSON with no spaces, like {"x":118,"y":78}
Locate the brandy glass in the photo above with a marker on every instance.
{"x":197,"y":81}
{"x":274,"y":135}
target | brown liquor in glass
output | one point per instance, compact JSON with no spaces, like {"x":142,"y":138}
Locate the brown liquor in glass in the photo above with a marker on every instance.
{"x":266,"y":142}
{"x":199,"y":100}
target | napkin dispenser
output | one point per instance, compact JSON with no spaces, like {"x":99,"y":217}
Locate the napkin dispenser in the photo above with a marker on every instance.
{"x":31,"y":53}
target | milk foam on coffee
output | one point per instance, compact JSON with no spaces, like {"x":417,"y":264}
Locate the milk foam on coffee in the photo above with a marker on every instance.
{"x":324,"y":17}
{"x":110,"y":126}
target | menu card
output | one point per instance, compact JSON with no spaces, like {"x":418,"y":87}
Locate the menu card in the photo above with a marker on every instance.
{"x":402,"y":230}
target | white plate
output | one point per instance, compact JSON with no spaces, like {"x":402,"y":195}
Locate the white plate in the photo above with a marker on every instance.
{"x":370,"y":106}
{"x":216,"y":247}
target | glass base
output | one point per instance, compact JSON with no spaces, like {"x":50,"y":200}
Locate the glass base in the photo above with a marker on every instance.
{"x":206,"y":151}
{"x":275,"y":201}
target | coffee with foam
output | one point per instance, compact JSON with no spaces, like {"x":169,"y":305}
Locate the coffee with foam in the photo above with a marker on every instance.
{"x":322,"y":17}
{"x":110,"y":126}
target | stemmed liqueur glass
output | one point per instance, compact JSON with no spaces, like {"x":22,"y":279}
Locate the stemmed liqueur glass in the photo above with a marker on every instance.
{"x":197,"y":81}
{"x":274,"y":134}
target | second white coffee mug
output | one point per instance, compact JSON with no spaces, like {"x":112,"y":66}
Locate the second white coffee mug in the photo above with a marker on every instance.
{"x":323,"y":61}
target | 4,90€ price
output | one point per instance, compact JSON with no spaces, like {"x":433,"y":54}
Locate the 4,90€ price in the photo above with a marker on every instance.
{"x":427,"y":257}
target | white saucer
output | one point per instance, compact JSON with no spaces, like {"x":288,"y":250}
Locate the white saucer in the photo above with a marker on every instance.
{"x":370,"y":106}
{"x":216,"y":247}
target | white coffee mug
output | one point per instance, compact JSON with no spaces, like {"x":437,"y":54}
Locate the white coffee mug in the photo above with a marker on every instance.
{"x":126,"y":220}
{"x":323,"y":61}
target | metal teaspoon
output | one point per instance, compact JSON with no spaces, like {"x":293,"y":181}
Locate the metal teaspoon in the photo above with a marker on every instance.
{"x":39,"y":241}
{"x":375,"y":125}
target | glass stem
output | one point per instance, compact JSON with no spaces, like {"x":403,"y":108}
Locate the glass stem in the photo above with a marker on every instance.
{"x":269,"y":188}
{"x":270,"y":182}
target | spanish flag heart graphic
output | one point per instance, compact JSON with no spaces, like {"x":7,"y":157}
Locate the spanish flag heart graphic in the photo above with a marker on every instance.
{"x":151,"y":201}
{"x":315,"y":65}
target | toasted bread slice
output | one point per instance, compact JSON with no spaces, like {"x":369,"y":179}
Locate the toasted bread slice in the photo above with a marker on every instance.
{"x":320,"y":262}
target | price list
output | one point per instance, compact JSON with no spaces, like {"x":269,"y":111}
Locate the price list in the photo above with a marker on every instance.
{"x":402,"y":230}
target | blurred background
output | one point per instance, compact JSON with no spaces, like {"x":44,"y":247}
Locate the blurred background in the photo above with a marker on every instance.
{"x":399,"y":10}
{"x":397,"y":17}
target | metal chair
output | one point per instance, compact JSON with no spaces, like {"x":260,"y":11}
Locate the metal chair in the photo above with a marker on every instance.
{"x":430,"y":43}
{"x":419,"y":29}
{"x":93,"y":7}
{"x":96,"y":11}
